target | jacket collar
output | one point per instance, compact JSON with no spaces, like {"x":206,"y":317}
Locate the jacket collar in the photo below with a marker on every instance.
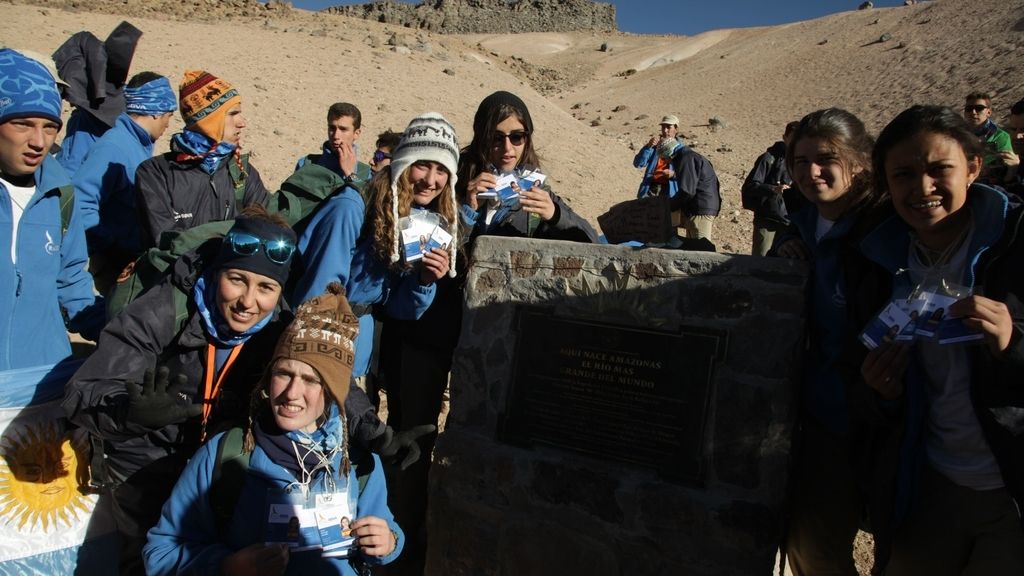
{"x":888,"y":243}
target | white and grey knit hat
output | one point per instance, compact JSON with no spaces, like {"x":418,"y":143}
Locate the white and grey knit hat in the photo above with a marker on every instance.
{"x":428,"y":137}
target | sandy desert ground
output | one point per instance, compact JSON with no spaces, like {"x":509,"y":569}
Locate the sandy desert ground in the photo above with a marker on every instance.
{"x":592,"y":108}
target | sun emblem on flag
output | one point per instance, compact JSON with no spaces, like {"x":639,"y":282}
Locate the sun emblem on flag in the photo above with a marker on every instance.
{"x":39,"y":471}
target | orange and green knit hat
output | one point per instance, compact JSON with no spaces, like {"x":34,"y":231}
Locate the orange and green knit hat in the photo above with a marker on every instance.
{"x":204,"y":99}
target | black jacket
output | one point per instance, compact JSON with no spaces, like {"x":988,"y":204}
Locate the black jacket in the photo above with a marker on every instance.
{"x":770,"y":170}
{"x":172,"y":195}
{"x":698,"y":185}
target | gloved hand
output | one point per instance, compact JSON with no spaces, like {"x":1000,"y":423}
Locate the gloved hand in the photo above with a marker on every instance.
{"x":157,"y":402}
{"x":389,"y":444}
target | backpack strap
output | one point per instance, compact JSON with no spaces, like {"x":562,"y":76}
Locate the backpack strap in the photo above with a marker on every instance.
{"x":67,"y":207}
{"x":238,"y":177}
{"x":228,"y":476}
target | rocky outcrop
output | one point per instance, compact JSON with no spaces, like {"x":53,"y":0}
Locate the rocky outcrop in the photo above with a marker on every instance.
{"x":488,"y":16}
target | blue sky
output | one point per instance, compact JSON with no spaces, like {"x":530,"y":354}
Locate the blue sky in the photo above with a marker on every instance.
{"x":691,"y":17}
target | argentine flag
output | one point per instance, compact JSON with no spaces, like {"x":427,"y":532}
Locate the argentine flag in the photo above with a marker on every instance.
{"x":48,"y":524}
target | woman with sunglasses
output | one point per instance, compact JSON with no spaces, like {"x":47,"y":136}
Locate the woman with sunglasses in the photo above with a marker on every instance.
{"x":503,"y":143}
{"x":176,"y":364}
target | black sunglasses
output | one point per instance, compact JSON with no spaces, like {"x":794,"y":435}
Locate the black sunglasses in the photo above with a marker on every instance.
{"x":277,"y":251}
{"x":380,"y":155}
{"x":516,"y":138}
{"x":975,"y":108}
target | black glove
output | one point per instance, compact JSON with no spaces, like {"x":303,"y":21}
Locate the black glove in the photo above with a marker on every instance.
{"x":388,"y":444}
{"x":154,"y":404}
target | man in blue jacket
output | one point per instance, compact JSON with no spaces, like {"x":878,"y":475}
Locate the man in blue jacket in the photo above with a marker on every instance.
{"x":105,"y":182}
{"x":46,"y":290}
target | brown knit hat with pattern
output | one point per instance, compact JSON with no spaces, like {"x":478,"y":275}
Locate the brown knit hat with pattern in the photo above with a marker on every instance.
{"x":323,"y":335}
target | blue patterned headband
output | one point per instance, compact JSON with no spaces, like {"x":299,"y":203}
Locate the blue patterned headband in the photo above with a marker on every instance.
{"x":152,"y":98}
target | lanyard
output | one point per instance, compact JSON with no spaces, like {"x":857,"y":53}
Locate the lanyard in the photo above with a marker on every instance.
{"x":212,"y":388}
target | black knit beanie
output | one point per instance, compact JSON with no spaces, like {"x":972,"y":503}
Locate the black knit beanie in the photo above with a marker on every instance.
{"x":258,"y":261}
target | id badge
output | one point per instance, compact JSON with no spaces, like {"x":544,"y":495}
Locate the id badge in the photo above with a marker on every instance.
{"x":333,"y":520}
{"x":291,"y":522}
{"x":886,"y":326}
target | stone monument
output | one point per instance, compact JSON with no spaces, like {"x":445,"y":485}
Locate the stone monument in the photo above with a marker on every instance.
{"x":617,"y":411}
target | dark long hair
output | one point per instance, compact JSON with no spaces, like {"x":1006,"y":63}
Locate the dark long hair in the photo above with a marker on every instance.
{"x":493,"y":110}
{"x":922,"y":120}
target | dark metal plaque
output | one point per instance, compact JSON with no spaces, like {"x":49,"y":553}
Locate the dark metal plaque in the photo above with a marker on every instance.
{"x":618,"y":393}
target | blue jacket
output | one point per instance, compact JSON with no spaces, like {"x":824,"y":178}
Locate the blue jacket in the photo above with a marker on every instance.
{"x":332,"y":251}
{"x":824,"y":388}
{"x":48,"y":280}
{"x":81,"y":132}
{"x":105,"y":187}
{"x":647,"y":158}
{"x":187,"y":540}
{"x":996,"y":270}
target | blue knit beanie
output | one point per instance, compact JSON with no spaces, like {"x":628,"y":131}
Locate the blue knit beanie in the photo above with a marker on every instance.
{"x":27,"y":90}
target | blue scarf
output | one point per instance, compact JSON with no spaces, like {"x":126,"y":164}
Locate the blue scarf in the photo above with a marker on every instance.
{"x":278,"y":444}
{"x":214,"y":324}
{"x":195,"y":146}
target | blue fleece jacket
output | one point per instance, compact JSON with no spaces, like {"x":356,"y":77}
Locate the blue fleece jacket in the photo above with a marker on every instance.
{"x":823,"y":388}
{"x":332,"y":251}
{"x":49,"y":276}
{"x":187,"y":540}
{"x":105,"y":187}
{"x":647,"y":158}
{"x":80,"y":133}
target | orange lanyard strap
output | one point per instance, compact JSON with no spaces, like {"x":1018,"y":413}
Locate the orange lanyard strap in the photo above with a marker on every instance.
{"x":212,"y":389}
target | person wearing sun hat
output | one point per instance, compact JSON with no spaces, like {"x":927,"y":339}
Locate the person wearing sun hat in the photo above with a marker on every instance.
{"x":295,"y":441}
{"x":178,"y":363}
{"x":205,"y":177}
{"x":105,"y":182}
{"x":45,"y":289}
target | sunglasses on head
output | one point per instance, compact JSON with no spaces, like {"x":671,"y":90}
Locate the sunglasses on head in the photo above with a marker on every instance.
{"x":975,"y":108}
{"x":380,"y":155}
{"x":516,"y":138}
{"x":277,"y":251}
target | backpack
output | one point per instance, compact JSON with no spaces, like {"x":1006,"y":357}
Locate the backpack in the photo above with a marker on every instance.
{"x":154,"y":264}
{"x":304,"y":191}
{"x":228,"y":477}
{"x":148,"y":269}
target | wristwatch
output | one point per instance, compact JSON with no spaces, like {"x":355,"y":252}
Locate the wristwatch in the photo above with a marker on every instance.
{"x":349,"y":178}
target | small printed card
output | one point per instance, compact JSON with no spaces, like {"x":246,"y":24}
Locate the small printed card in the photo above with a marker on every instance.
{"x":924,"y":317}
{"x":503,"y":189}
{"x":886,"y":326}
{"x":293,"y":524}
{"x":333,"y":519}
{"x":422,"y":231}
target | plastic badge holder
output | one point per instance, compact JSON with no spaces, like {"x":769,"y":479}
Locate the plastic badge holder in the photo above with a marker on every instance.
{"x":292,"y":523}
{"x":416,"y":231}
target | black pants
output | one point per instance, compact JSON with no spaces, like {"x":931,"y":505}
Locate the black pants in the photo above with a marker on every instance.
{"x":136,"y":508}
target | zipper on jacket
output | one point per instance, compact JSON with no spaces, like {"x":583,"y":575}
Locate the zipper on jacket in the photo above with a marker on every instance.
{"x":17,"y":291}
